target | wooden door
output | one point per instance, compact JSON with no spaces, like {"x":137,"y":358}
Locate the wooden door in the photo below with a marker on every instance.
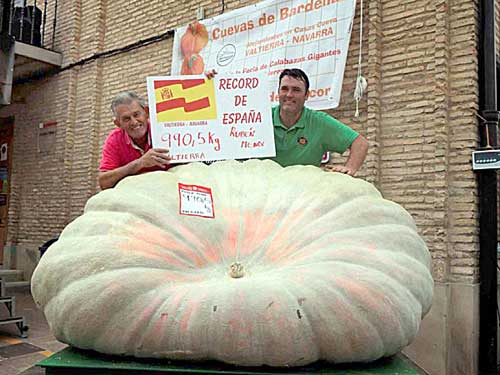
{"x":6,"y":137}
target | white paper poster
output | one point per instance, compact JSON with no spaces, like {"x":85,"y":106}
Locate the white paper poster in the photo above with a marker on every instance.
{"x":201,"y":119}
{"x":312,"y":35}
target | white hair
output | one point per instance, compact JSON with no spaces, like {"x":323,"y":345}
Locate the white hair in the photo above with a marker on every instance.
{"x":127,"y":97}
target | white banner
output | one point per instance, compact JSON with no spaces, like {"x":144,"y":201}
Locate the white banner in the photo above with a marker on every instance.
{"x":201,"y":119}
{"x":312,"y":35}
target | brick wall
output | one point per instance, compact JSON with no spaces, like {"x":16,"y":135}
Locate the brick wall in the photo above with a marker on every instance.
{"x":418,"y":114}
{"x":462,"y":138}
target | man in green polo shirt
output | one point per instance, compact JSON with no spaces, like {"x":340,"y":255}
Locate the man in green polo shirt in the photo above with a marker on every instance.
{"x":303,"y":135}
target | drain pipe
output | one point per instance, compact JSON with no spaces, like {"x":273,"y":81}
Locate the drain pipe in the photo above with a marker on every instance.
{"x":487,"y":186}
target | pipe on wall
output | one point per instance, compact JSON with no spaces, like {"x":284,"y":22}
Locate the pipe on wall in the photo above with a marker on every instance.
{"x":487,"y":186}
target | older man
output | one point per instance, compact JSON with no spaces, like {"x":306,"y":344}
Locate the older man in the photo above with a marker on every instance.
{"x":128,"y":149}
{"x":303,"y":135}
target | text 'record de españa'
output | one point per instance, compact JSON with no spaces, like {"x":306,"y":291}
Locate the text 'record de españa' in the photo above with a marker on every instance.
{"x":201,"y":119}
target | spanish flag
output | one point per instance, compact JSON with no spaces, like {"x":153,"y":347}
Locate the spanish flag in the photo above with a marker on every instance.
{"x":185,"y":100}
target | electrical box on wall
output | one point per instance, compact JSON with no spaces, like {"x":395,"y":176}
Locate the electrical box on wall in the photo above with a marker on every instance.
{"x":486,"y":159}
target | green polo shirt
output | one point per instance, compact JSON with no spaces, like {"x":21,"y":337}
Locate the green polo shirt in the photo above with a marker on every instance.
{"x":305,"y":142}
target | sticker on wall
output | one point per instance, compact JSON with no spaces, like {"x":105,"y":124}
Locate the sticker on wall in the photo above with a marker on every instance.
{"x":195,"y":200}
{"x":3,"y":152}
{"x":47,"y":132}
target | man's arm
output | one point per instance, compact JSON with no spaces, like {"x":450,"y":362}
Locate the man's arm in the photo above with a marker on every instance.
{"x":154,"y":157}
{"x":108,"y":179}
{"x":357,"y":155}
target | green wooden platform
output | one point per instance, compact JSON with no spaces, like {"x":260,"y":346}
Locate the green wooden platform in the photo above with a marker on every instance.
{"x":72,"y":361}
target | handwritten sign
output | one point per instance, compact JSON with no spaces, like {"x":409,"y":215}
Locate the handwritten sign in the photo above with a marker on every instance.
{"x":195,"y":200}
{"x":201,"y":119}
{"x":269,"y":36}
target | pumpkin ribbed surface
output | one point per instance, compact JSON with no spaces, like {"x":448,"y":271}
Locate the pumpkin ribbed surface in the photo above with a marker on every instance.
{"x":297,"y":265}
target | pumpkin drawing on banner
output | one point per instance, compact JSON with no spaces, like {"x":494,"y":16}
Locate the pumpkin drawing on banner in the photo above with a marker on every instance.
{"x":194,"y":39}
{"x":192,"y":65}
{"x":295,"y":265}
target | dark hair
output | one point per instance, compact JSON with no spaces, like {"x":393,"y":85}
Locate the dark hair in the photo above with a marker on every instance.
{"x":297,"y":74}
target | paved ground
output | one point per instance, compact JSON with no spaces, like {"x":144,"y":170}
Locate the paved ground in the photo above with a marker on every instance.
{"x":18,"y":355}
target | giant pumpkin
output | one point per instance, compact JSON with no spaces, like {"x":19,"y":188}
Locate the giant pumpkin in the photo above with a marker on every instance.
{"x":297,"y":265}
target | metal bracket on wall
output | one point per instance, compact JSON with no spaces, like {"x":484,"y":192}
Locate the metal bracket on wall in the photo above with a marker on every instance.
{"x":200,"y":13}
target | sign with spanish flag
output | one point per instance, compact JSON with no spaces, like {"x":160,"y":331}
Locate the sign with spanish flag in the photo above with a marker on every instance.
{"x":201,"y":119}
{"x":186,"y":99}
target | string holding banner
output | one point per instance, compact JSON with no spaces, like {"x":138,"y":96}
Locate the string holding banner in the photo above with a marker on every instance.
{"x":361,"y":83}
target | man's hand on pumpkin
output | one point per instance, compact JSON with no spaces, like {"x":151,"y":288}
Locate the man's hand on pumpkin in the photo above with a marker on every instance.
{"x":155,"y":157}
{"x":343,"y":169}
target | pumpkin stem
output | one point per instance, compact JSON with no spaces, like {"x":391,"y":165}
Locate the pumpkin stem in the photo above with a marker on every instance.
{"x":236,"y":270}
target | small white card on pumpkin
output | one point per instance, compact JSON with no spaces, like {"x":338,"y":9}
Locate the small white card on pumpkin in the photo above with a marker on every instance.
{"x":195,"y":200}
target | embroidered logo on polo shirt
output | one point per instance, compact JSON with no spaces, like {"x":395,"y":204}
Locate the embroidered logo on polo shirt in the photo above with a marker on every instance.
{"x":302,"y":141}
